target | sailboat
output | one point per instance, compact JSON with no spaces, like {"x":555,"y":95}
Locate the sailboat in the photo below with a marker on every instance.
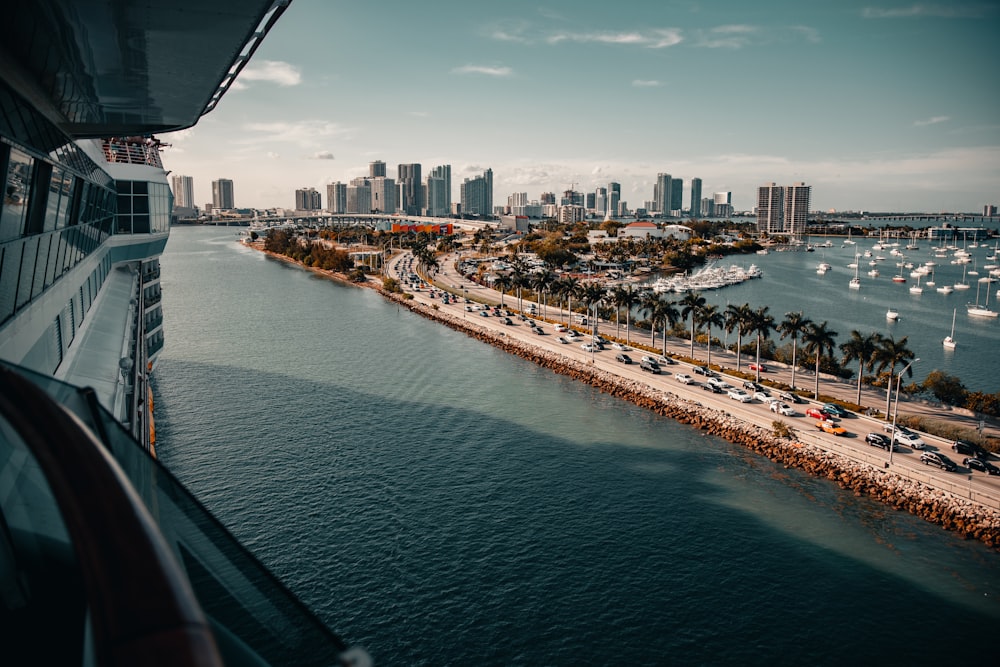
{"x":916,"y":289}
{"x":855,"y":281}
{"x":963,"y":284}
{"x":849,"y":240}
{"x":949,"y":341}
{"x":981,"y":311}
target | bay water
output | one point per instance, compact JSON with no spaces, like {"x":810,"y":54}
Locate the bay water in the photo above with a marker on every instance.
{"x":441,"y":502}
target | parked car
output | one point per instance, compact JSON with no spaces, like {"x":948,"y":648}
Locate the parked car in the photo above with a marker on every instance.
{"x":970,"y":449}
{"x":909,"y":438}
{"x":830,"y":427}
{"x":683,"y":378}
{"x":817,"y":413}
{"x":938,"y":459}
{"x":650,"y":366}
{"x":782,"y":409}
{"x":881,"y":441}
{"x":623,"y":358}
{"x":739,"y":395}
{"x":834,"y":409}
{"x":973,"y":463}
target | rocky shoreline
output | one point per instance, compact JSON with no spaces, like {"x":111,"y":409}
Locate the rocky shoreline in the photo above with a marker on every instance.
{"x":958,"y":515}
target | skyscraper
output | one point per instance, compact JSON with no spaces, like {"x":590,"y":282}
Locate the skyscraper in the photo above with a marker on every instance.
{"x":307,"y":199}
{"x":411,"y":195}
{"x":601,"y":201}
{"x":222,"y":194}
{"x":614,"y":197}
{"x":336,"y":197}
{"x":376,"y":169}
{"x":783,"y":209}
{"x":676,"y":195}
{"x":477,"y":194}
{"x":695,"y":197}
{"x":183,"y":187}
{"x":662,"y":193}
{"x":359,"y":196}
{"x":383,"y":194}
{"x":439,"y":191}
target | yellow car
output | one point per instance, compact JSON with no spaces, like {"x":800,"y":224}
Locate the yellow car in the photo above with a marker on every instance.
{"x":830,"y":427}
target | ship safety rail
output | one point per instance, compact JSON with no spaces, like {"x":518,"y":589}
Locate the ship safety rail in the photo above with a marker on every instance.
{"x":106,"y":559}
{"x":133,"y":150}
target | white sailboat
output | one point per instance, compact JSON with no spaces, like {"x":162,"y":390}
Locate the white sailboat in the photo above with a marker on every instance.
{"x":981,"y":311}
{"x":949,"y":341}
{"x":917,"y":289}
{"x":892,"y":314}
{"x":963,"y":284}
{"x":856,"y":280}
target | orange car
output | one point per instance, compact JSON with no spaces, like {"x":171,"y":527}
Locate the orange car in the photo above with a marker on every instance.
{"x":830,"y":427}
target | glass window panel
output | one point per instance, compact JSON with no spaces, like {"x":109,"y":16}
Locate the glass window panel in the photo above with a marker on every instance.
{"x":140,"y":224}
{"x":26,"y":271}
{"x":10,"y":262}
{"x":54,"y":200}
{"x":15,"y":196}
{"x":38,"y":277}
{"x":124,"y":204}
{"x":123,"y":187}
{"x":140,"y":204}
{"x":140,"y":187}
{"x":123,"y":224}
{"x":53,"y":261}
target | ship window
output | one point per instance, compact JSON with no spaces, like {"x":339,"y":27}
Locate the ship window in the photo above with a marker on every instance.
{"x":140,"y":224}
{"x":15,"y":195}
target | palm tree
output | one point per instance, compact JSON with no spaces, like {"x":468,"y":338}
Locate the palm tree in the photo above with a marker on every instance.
{"x":892,"y":352}
{"x":738,"y":318}
{"x":502,"y":282}
{"x":540,"y":282}
{"x":592,"y":294}
{"x":648,"y":305}
{"x":861,"y":349}
{"x":793,"y":326}
{"x":617,"y":294}
{"x":520,"y":280}
{"x":691,"y":303}
{"x":709,"y":315}
{"x":818,"y":340}
{"x":664,"y":313}
{"x":569,"y":288}
{"x":762,"y":324}
{"x":628,"y":300}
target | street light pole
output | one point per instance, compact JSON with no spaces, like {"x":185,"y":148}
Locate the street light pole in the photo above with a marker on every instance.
{"x":895,"y":409}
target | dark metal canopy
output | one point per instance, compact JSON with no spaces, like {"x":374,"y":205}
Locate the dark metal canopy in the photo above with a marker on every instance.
{"x":127,"y":67}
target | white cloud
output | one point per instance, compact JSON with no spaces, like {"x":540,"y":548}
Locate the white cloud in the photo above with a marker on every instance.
{"x":646,"y":83}
{"x":273,"y":71}
{"x":931,"y":121}
{"x":483,"y":69}
{"x":807,"y":33}
{"x":301,"y":133}
{"x":272,"y":155}
{"x":654,"y":39}
{"x":929,"y":11}
{"x":322,"y":155}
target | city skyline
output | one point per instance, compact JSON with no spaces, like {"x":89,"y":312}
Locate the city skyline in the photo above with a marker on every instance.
{"x":878,"y":106}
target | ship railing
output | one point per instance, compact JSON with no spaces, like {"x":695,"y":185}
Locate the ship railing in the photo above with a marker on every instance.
{"x":132,"y":150}
{"x":151,"y":575}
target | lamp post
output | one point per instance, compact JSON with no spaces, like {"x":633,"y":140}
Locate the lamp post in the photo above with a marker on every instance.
{"x":895,"y":409}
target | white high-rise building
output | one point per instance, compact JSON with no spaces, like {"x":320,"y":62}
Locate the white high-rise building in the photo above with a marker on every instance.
{"x":336,"y":197}
{"x":183,"y":187}
{"x":783,"y":209}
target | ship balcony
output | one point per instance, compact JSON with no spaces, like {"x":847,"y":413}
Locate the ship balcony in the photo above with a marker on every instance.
{"x":150,"y":276}
{"x":132,"y":150}
{"x":106,"y":559}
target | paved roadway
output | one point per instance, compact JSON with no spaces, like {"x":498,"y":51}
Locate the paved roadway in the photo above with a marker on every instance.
{"x":965,"y":483}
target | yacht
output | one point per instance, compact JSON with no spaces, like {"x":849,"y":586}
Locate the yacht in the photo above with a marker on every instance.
{"x":976,"y":310}
{"x":892,"y":314}
{"x":105,"y":558}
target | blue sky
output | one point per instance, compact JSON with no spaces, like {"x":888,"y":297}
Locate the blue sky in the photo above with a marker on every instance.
{"x":880,"y":105}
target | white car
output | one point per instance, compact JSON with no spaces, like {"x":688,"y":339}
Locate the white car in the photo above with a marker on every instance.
{"x":664,"y":361}
{"x":560,"y":328}
{"x":909,"y":438}
{"x":739,"y":395}
{"x":762,"y":396}
{"x":620,"y":347}
{"x":588,"y":347}
{"x":782,"y":408}
{"x":683,"y":378}
{"x":720,"y":383}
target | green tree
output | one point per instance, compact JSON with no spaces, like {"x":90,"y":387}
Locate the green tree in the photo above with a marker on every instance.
{"x":738,"y":318}
{"x":691,"y":303}
{"x":665,"y":314}
{"x":793,"y":326}
{"x":761,"y":324}
{"x":502,"y":283}
{"x":709,"y":316}
{"x":861,"y":349}
{"x":892,"y":353}
{"x":819,"y":341}
{"x":946,"y":388}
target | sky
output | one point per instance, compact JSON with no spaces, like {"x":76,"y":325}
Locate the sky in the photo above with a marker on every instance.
{"x":880,"y":105}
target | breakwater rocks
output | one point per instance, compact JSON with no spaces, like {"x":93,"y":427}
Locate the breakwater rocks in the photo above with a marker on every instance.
{"x":966,"y":518}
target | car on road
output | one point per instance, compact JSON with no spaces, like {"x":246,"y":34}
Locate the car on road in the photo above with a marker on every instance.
{"x":560,"y":328}
{"x":572,"y":333}
{"x":589,"y":347}
{"x":817,"y":413}
{"x":683,"y":378}
{"x":739,"y":395}
{"x":506,"y":320}
{"x":973,"y":463}
{"x":791,"y":397}
{"x":664,"y":361}
{"x":750,"y":385}
{"x":484,"y":313}
{"x":711,"y":387}
{"x":758,"y":367}
{"x":830,"y":427}
{"x":881,"y":441}
{"x":620,"y":346}
{"x":600,"y":341}
{"x":909,"y":438}
{"x":563,"y":340}
{"x":718,"y":382}
{"x":782,"y":408}
{"x":970,"y":449}
{"x":703,"y":370}
{"x":540,"y":331}
{"x":623,"y":358}
{"x":650,"y":366}
{"x":939,"y":460}
{"x":762,"y":396}
{"x":834,"y":409}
